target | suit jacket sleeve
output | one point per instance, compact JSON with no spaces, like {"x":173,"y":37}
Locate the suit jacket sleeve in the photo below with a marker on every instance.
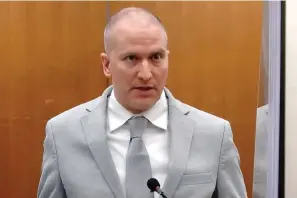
{"x":50,"y":185}
{"x":230,"y":178}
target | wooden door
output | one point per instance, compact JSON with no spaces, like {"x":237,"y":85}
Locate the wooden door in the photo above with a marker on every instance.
{"x":50,"y":61}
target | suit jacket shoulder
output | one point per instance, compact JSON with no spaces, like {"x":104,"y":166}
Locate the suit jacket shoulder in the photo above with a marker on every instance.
{"x":75,"y":113}
{"x":199,"y":116}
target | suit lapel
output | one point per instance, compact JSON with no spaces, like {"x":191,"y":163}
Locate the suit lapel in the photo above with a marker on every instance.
{"x":181,"y":130}
{"x":94,"y":127}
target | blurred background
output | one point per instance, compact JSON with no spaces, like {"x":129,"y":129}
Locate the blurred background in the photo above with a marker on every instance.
{"x":50,"y":62}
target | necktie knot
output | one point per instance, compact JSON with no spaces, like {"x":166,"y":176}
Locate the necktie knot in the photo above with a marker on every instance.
{"x":137,"y":126}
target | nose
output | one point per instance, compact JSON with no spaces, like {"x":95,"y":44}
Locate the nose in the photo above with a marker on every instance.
{"x":144,"y":71}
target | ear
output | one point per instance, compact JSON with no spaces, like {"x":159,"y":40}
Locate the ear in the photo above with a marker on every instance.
{"x":168,"y":52}
{"x":106,"y":64}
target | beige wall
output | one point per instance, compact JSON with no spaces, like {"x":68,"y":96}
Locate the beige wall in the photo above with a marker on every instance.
{"x":291,"y":100}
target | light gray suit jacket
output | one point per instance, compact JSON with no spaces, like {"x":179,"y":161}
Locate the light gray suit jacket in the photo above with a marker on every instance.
{"x":77,"y":162}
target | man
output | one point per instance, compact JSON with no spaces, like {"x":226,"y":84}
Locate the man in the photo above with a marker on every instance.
{"x":111,"y":146}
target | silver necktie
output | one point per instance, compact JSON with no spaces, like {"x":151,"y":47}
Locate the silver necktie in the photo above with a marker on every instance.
{"x":138,"y":166}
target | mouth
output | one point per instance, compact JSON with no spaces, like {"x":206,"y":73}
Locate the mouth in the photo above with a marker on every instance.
{"x":144,"y":88}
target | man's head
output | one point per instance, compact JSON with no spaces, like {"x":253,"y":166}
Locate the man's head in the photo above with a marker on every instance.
{"x":136,"y":58}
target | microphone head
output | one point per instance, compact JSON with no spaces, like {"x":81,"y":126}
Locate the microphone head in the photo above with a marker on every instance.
{"x":152,"y":184}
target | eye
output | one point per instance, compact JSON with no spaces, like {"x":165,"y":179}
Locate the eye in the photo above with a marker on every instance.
{"x":131,"y":58}
{"x":157,"y":57}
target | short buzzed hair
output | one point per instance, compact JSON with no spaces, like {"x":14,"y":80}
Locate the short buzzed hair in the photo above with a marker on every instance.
{"x":122,"y":14}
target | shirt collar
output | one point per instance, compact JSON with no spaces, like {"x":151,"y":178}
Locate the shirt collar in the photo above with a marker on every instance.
{"x":118,"y":115}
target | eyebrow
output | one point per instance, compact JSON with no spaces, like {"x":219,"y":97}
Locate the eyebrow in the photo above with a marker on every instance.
{"x":158,"y":50}
{"x":162,"y":50}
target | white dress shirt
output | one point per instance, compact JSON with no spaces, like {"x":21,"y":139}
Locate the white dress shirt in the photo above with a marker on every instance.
{"x":155,"y":137}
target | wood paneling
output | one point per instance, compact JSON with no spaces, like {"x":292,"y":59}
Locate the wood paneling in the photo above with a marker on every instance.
{"x":214,"y":62}
{"x":50,"y":61}
{"x":4,"y":102}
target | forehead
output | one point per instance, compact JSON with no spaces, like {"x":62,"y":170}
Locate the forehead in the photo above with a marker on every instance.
{"x":138,"y":37}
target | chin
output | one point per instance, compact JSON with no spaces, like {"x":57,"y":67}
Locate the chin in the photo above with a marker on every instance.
{"x":141,"y":106}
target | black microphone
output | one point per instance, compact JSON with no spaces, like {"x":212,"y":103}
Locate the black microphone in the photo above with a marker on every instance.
{"x":154,"y":185}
